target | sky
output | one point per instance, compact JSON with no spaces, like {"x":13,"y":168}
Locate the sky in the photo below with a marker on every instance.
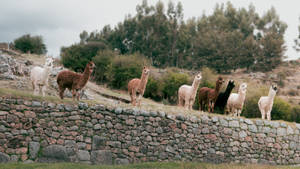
{"x":60,"y":22}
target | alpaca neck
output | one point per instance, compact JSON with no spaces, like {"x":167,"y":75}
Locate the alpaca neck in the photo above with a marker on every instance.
{"x":242,"y":95}
{"x":271,"y":95}
{"x":143,"y":83}
{"x":218,"y":86}
{"x":84,"y":77}
{"x":195,"y":87}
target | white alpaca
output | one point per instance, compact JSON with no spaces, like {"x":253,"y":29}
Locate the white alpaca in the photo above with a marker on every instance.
{"x":39,"y":76}
{"x":187,"y":94}
{"x":236,"y":101}
{"x":265,"y":103}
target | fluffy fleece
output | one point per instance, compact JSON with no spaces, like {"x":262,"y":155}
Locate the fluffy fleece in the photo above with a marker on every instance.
{"x":208,"y":96}
{"x":265,"y":103}
{"x":136,"y":87}
{"x":223,"y":97}
{"x":39,"y":76}
{"x":236,"y":101}
{"x":187,"y":94}
{"x":74,"y":81}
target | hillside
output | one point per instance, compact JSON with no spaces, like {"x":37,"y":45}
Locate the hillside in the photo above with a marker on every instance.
{"x":15,"y":70}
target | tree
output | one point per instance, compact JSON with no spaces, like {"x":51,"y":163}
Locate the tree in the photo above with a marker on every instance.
{"x":32,"y":44}
{"x":297,"y":40}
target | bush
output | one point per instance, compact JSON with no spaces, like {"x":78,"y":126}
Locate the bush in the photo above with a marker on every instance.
{"x":125,"y":68}
{"x":77,"y":56}
{"x":154,"y":89}
{"x":103,"y":61}
{"x":32,"y":44}
{"x":281,"y":110}
{"x":171,"y":82}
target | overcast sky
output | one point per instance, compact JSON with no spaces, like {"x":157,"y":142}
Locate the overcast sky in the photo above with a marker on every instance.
{"x":61,"y":21}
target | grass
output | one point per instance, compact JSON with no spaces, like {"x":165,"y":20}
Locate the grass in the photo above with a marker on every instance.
{"x":152,"y":165}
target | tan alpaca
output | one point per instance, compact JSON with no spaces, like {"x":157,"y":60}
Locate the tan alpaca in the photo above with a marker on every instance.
{"x":136,"y":87}
{"x":265,"y":103}
{"x":187,"y":94}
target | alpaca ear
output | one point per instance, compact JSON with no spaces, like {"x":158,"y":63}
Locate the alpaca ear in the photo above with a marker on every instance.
{"x":144,"y":67}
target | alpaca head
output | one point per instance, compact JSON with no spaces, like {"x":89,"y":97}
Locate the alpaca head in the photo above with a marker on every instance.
{"x":49,"y":62}
{"x":220,"y":81}
{"x":146,"y":70}
{"x":243,"y":88}
{"x":197,"y":79}
{"x":230,"y":85}
{"x":273,"y":90}
{"x":91,"y":66}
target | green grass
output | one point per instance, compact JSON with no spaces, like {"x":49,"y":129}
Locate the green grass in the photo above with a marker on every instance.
{"x":28,"y":95}
{"x":156,"y":165}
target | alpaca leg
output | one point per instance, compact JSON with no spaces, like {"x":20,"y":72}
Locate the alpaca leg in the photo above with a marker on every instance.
{"x":44,"y":90}
{"x":191,"y":104}
{"x":133,"y":100}
{"x":269,"y":115}
{"x":78,"y":94}
{"x":263,"y":114}
{"x":239,"y":112}
{"x":180,"y":101}
{"x":36,"y":89}
{"x":61,"y":92}
{"x":74,"y":94}
{"x":212,"y":107}
{"x":139,"y":98}
{"x":186,"y":104}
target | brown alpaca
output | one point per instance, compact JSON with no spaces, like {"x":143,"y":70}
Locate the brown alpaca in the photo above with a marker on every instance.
{"x":136,"y":87}
{"x":74,"y":81}
{"x":208,"y":96}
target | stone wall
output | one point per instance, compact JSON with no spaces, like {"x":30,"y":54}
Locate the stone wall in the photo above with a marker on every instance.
{"x":48,"y":132}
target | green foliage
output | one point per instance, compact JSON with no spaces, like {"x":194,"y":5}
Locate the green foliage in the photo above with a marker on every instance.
{"x":281,"y":110}
{"x":77,"y":56}
{"x":125,"y":68}
{"x":32,"y":44}
{"x":103,"y":61}
{"x":226,"y":40}
{"x":171,"y":82}
{"x":154,"y":89}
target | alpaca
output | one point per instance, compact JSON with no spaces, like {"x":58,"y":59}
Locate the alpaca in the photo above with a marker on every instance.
{"x":74,"y":81}
{"x":187,"y":94}
{"x":136,"y":87}
{"x":209,"y":96}
{"x":236,"y":101}
{"x":223,"y":97}
{"x":39,"y":76}
{"x":265,"y":103}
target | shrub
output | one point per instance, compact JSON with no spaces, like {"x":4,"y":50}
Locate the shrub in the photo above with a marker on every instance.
{"x":32,"y":44}
{"x":171,"y":82}
{"x":281,"y":110}
{"x":125,"y":68}
{"x":154,"y":89}
{"x":77,"y":56}
{"x":103,"y":61}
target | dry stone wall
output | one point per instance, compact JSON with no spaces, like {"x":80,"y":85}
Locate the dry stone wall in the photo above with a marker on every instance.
{"x":47,"y":132}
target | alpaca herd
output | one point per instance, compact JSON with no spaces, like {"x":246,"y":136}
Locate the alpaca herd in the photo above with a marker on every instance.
{"x":211,"y":99}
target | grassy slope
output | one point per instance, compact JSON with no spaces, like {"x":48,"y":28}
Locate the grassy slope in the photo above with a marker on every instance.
{"x":156,"y":165}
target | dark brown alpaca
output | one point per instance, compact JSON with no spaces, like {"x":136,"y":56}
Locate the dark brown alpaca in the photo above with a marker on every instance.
{"x":208,"y":96}
{"x":74,"y":81}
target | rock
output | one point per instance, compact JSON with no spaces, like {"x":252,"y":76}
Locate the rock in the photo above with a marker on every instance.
{"x":252,"y":128}
{"x":101,"y":157}
{"x":242,"y":134}
{"x":234,"y":124}
{"x":224,"y":122}
{"x":290,"y":130}
{"x":118,"y":110}
{"x":3,"y":129}
{"x":14,"y":158}
{"x":98,"y":142}
{"x":97,"y":127}
{"x":121,"y":161}
{"x":83,"y":155}
{"x":281,"y":131}
{"x":55,"y":152}
{"x":4,"y":158}
{"x":34,"y":148}
{"x":36,"y":104}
